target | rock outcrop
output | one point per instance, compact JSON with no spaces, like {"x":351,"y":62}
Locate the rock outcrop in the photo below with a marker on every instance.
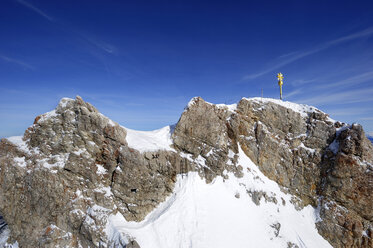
{"x":73,"y":168}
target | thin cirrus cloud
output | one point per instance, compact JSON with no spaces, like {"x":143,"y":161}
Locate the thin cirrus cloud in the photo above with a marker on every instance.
{"x":353,"y":111}
{"x":108,"y":48}
{"x":36,"y":10}
{"x":294,"y":56}
{"x":16,"y":61}
{"x":358,"y":79}
{"x":293,"y":93}
{"x":367,"y":119}
{"x":351,"y":96}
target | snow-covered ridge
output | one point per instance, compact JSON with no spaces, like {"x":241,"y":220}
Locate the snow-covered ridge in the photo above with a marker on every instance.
{"x":64,"y":101}
{"x":302,"y":109}
{"x":147,"y":141}
{"x":230,"y":107}
{"x":143,"y":141}
{"x":160,"y":139}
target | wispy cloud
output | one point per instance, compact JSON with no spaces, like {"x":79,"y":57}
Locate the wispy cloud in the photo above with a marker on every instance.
{"x":350,"y":96}
{"x":298,"y":82}
{"x":106,"y":47}
{"x":361,"y":78}
{"x":16,"y":61}
{"x":293,"y":93}
{"x":367,"y":119}
{"x":36,"y":10}
{"x":95,"y":46}
{"x":353,"y":111}
{"x":294,"y":56}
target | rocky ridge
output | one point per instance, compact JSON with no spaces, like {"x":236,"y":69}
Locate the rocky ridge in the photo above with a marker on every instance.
{"x":74,"y":167}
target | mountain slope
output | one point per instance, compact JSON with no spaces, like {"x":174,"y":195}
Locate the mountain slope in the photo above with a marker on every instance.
{"x":223,"y":214}
{"x":262,"y":172}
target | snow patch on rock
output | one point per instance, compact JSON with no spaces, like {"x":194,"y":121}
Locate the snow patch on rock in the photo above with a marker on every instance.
{"x":146,"y":141}
{"x":302,"y":109}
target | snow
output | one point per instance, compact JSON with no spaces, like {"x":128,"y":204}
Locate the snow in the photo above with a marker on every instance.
{"x":192,"y":102}
{"x":105,"y":190}
{"x":201,"y":161}
{"x":60,"y":161}
{"x":4,"y":235}
{"x":18,"y":141}
{"x":146,"y":141}
{"x":111,"y":123}
{"x":20,"y":162}
{"x":334,"y":146}
{"x":80,"y":151}
{"x":209,"y":153}
{"x":47,"y":116}
{"x":199,"y":215}
{"x":302,"y":109}
{"x":22,"y":145}
{"x":187,"y":156}
{"x":100,"y":169}
{"x":307,"y":148}
{"x":230,"y":107}
{"x":64,"y":101}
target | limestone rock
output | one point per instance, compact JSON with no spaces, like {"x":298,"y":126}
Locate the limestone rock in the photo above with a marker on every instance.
{"x":73,"y":168}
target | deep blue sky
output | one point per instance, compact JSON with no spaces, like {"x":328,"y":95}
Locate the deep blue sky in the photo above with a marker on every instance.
{"x":140,"y":62}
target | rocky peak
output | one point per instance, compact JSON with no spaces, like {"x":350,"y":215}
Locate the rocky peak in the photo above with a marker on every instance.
{"x":73,"y":125}
{"x":354,"y":141}
{"x":74,"y":168}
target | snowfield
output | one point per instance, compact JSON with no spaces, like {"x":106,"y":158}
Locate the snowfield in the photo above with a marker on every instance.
{"x":222,"y":214}
{"x":146,"y":141}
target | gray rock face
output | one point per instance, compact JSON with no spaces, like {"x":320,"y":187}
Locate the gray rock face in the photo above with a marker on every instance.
{"x":347,"y":191}
{"x":293,"y":148}
{"x":74,"y":168}
{"x":203,"y":131}
{"x":287,"y":146}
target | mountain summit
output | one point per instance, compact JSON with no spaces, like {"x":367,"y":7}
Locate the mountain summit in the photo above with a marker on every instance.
{"x":260,"y":173}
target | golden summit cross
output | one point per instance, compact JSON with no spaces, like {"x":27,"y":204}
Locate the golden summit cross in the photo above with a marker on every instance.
{"x":280,"y":78}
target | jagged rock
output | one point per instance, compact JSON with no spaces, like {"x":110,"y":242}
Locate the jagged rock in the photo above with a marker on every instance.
{"x":287,"y":145}
{"x":74,"y":168}
{"x":69,"y":158}
{"x":277,"y":227}
{"x":140,"y":183}
{"x":343,"y":227}
{"x":203,"y":131}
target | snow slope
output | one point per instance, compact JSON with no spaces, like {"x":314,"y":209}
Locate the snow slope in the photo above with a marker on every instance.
{"x":200,"y":215}
{"x":302,"y":109}
{"x":145,"y":141}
